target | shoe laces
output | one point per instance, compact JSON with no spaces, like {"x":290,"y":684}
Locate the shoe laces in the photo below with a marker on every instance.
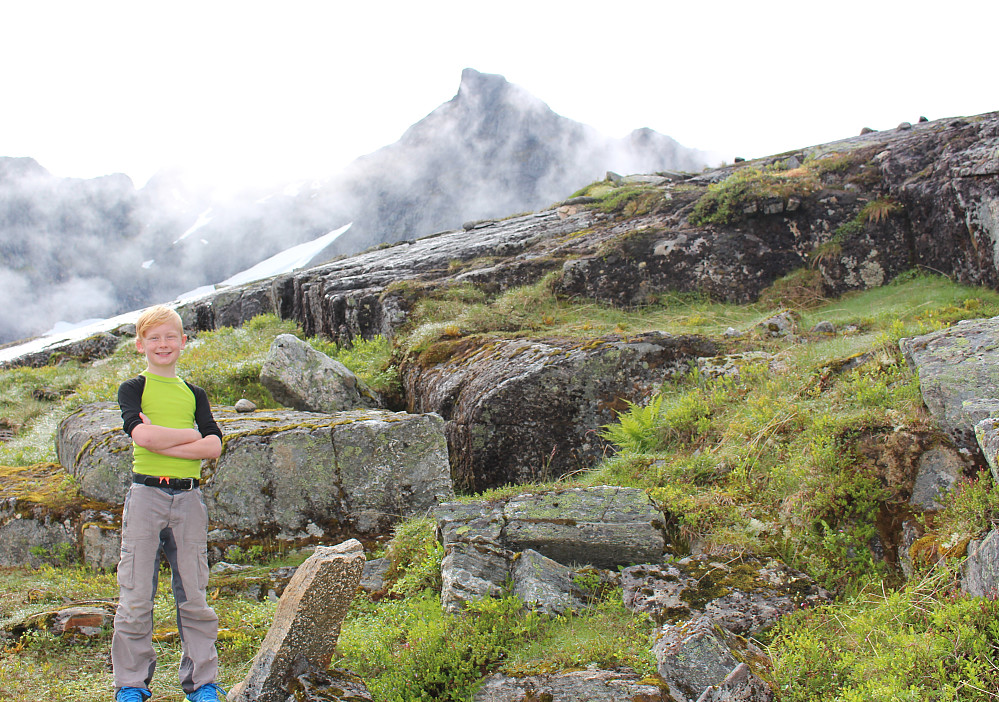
{"x":209,"y":692}
{"x":132,"y":694}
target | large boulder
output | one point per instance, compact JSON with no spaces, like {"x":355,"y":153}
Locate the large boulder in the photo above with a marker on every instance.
{"x":519,"y":410}
{"x":306,"y":625}
{"x":955,"y":366}
{"x":285,"y":473}
{"x":301,"y":377}
{"x":93,"y":448}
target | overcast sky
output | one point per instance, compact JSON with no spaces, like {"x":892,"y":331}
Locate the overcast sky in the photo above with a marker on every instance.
{"x":266,"y":91}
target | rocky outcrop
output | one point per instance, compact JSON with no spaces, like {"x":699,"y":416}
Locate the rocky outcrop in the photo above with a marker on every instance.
{"x":602,"y":526}
{"x":519,"y":409}
{"x":745,"y":596}
{"x":306,"y":625}
{"x":590,"y":685}
{"x":298,"y":376}
{"x":86,"y":350}
{"x":859,"y":211}
{"x":958,"y":371}
{"x":293,"y":475}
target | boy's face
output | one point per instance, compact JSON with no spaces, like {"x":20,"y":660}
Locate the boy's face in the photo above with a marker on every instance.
{"x":162,"y":345}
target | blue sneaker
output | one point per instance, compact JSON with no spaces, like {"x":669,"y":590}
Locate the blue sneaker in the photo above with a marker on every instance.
{"x":132,"y":694}
{"x":207,"y":693}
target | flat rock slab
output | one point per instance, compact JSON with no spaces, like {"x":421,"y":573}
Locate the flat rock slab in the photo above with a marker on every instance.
{"x":283,"y":473}
{"x":590,"y":685}
{"x":746,"y":597}
{"x":306,"y":624}
{"x":957,"y":365}
{"x":602,"y":526}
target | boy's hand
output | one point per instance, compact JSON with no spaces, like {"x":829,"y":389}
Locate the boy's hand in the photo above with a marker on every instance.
{"x":144,"y":418}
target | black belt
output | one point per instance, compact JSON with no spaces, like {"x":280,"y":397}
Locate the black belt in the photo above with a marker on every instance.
{"x":161,"y":482}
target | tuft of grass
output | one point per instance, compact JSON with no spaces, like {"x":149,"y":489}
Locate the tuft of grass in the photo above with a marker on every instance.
{"x":726,"y":202}
{"x":923,"y":641}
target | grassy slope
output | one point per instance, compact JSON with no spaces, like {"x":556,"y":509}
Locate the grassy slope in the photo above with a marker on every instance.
{"x":770,"y":463}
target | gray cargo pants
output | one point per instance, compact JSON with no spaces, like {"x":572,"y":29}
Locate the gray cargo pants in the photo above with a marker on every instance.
{"x":173,"y":523}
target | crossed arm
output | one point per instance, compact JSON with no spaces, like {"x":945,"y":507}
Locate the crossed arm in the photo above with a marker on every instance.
{"x":178,"y":443}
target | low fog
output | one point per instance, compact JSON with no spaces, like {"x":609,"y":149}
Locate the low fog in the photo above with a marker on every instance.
{"x":74,"y":249}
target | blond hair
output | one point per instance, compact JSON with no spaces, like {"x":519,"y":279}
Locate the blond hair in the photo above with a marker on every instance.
{"x":155,"y":316}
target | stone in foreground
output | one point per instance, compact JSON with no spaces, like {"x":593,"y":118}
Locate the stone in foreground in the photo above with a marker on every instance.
{"x":306,"y":624}
{"x":590,"y":685}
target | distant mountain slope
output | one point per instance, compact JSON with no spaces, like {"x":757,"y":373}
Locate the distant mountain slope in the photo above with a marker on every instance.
{"x":72,"y":249}
{"x":491,"y":151}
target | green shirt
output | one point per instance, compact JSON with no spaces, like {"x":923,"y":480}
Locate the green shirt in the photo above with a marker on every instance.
{"x":168,"y":402}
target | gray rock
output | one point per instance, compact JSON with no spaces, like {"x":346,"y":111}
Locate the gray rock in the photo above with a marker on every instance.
{"x":471,"y":572}
{"x":544,"y":585}
{"x":824,"y":327}
{"x":987,"y":435}
{"x":306,"y":624}
{"x":574,"y":686}
{"x":101,"y":545}
{"x":954,"y":365}
{"x":603,"y":526}
{"x":692,"y":656}
{"x":295,"y":474}
{"x":937,"y":472}
{"x":779,"y":325}
{"x":746,"y":596}
{"x":92,"y":447}
{"x":305,"y":475}
{"x":911,"y":532}
{"x":741,"y":685}
{"x":373,"y":577}
{"x":607,"y":526}
{"x":298,"y":376}
{"x":904,"y":126}
{"x":981,"y":569}
{"x":245,"y":405}
{"x":34,"y":541}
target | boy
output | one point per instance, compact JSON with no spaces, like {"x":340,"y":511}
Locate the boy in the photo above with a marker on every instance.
{"x":164,"y":512}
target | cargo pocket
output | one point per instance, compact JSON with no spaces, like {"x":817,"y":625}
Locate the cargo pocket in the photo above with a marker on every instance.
{"x":203,"y":568}
{"x":126,"y":568}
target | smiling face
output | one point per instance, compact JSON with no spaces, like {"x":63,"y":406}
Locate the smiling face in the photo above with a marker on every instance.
{"x":161,"y":344}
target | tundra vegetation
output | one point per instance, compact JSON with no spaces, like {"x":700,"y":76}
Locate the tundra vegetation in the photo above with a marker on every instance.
{"x":771,"y":462}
